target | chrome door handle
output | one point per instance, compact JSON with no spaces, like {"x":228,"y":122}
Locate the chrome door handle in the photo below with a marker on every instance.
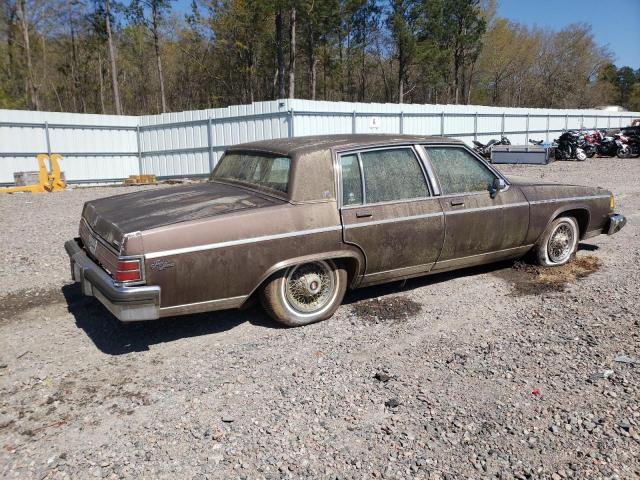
{"x":364,"y":214}
{"x":457,"y":203}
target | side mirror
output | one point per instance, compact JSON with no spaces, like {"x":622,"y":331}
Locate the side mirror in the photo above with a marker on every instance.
{"x":498,"y":184}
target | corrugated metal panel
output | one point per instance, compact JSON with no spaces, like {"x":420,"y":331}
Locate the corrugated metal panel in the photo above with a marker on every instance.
{"x":104,"y":147}
{"x":109,"y":142}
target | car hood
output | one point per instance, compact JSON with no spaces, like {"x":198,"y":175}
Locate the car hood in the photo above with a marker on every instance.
{"x":113,"y":217}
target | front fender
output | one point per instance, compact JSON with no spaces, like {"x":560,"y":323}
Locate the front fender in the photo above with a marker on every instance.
{"x":583,"y":223}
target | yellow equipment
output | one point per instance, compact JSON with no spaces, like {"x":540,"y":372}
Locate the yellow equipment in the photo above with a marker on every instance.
{"x":47,"y":181}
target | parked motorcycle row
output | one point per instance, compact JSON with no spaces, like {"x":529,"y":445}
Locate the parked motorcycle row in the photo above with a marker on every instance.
{"x":581,"y":144}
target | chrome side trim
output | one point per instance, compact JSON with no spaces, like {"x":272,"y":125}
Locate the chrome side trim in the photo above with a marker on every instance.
{"x":490,"y":256}
{"x":241,"y":241}
{"x":392,"y":220}
{"x":206,"y":306}
{"x":568,"y":199}
{"x":491,"y":207}
{"x":398,"y":272}
{"x":424,"y":158}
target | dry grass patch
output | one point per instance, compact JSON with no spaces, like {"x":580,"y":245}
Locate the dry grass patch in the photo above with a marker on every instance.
{"x":535,"y":279}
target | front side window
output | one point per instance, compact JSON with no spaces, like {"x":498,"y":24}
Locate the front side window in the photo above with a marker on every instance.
{"x":459,"y":171}
{"x":392,"y":174}
{"x":254,"y":169}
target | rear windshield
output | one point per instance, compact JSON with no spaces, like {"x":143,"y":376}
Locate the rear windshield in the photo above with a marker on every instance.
{"x":256,"y":170}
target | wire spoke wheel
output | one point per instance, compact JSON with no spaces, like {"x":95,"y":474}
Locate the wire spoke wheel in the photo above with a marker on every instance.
{"x":309,"y":287}
{"x":561,"y":241}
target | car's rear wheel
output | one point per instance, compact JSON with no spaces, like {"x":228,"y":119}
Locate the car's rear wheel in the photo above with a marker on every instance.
{"x":305,"y":293}
{"x":558,"y":242}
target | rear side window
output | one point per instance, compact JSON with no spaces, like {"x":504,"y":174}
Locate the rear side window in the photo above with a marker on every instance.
{"x":392,"y":174}
{"x":351,"y":180}
{"x":459,"y":171}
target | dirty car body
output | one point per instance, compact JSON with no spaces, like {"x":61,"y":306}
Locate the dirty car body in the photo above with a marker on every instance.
{"x":375,"y":208}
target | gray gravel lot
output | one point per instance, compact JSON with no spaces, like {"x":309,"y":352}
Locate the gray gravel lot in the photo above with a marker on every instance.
{"x":479,"y":380}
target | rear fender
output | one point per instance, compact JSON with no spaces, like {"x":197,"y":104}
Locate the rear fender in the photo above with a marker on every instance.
{"x":352,"y":255}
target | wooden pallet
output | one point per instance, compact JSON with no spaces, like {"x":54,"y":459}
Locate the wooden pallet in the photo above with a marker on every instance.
{"x":140,"y":180}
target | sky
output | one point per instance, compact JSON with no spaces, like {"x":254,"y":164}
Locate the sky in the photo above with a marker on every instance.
{"x":616,"y":23}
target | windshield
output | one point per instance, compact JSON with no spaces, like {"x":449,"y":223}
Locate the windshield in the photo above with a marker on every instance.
{"x":254,"y":169}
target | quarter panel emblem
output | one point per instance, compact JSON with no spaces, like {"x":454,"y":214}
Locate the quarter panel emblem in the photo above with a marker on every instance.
{"x":160,"y":265}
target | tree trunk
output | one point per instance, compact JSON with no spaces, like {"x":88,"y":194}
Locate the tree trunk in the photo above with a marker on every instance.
{"x":74,"y":59}
{"x":400,"y":71}
{"x":313,"y":62}
{"x":31,"y":90}
{"x":363,"y":71}
{"x":280,"y":53}
{"x":101,"y":79}
{"x":156,"y":46}
{"x":292,"y":53}
{"x":112,"y":56}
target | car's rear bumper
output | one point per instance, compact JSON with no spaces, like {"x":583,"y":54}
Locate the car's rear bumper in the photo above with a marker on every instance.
{"x":128,"y":304}
{"x":616,"y":222}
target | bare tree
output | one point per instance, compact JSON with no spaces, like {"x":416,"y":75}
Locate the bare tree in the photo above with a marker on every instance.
{"x":31,"y":89}
{"x":280,"y":51}
{"x":292,"y":52}
{"x":155,"y":16}
{"x":112,"y":56}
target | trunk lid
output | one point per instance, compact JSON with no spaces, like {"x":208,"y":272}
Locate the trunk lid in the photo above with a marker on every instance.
{"x":113,"y":217}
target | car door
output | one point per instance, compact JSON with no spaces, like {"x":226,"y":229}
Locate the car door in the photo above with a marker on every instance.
{"x":478,"y":220}
{"x":388,"y":210}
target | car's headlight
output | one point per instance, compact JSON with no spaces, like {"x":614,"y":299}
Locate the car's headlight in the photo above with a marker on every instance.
{"x":612,"y":203}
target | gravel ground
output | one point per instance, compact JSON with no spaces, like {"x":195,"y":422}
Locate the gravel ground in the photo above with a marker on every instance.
{"x":458,"y":375}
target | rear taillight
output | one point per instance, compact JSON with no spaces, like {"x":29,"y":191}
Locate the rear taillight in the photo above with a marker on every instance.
{"x":128,"y":271}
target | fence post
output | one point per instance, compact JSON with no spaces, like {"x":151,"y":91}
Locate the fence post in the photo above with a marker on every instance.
{"x":608,"y":121}
{"x":353,"y":122}
{"x":46,"y":136}
{"x":291,"y":122}
{"x":401,"y":122}
{"x":139,"y":149}
{"x":566,"y":121}
{"x":442,"y":124}
{"x":502,"y":125}
{"x":210,"y":142}
{"x":620,"y":121}
{"x":526,"y":135}
{"x":547,"y":135}
{"x":475,"y":126}
{"x":581,"y":121}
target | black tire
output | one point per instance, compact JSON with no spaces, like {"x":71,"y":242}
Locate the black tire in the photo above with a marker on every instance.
{"x":279,"y":300}
{"x":547,"y":249}
{"x":623,"y":153}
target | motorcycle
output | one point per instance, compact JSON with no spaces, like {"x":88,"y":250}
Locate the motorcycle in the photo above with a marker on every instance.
{"x":601,"y":144}
{"x":485,"y":149}
{"x":570,"y":145}
{"x":628,"y":145}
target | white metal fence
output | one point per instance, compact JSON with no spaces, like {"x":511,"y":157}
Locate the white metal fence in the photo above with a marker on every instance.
{"x":98,"y":148}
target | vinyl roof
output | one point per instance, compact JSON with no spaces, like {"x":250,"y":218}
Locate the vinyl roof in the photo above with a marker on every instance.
{"x":315,"y":143}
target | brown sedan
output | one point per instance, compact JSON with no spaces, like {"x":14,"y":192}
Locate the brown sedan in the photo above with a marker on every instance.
{"x":298,"y":221}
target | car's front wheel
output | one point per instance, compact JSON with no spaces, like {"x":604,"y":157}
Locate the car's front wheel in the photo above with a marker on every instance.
{"x":305,"y":293}
{"x":558,"y":242}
